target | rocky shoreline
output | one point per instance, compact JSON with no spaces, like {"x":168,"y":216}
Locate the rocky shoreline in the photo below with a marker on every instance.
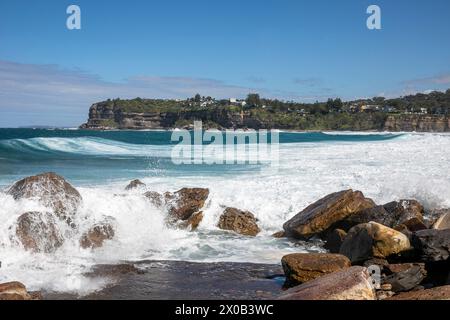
{"x":397,"y":250}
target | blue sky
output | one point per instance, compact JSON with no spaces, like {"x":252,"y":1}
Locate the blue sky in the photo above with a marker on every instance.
{"x":299,"y":50}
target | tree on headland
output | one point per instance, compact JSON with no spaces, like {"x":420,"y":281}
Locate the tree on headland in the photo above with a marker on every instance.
{"x":197,"y":98}
{"x":253,"y":100}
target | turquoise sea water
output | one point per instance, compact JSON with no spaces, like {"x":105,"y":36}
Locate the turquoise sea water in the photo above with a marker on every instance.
{"x":96,"y":157}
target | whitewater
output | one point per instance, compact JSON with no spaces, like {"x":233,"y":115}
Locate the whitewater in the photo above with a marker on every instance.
{"x":384,"y":166}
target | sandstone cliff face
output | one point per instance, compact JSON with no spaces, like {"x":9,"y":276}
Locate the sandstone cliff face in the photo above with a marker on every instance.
{"x":419,"y":123}
{"x":103,"y":115}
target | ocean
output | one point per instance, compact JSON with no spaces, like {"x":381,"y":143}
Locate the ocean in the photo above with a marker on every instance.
{"x":384,"y":166}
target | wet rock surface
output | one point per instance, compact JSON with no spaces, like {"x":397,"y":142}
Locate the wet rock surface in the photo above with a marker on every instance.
{"x":180,"y":280}
{"x":39,"y":232}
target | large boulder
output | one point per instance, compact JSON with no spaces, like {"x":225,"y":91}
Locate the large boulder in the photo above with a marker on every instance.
{"x":373,"y":240}
{"x":135,"y":184}
{"x":405,"y":276}
{"x":323,"y":214}
{"x":39,"y":232}
{"x":239,"y":221}
{"x":50,"y":190}
{"x":16,"y":291}
{"x":303,"y":267}
{"x":353,"y":283}
{"x":408,"y":213}
{"x":443,"y":222}
{"x":334,"y":240}
{"x":98,"y":234}
{"x":432,"y":244}
{"x":437,"y":293}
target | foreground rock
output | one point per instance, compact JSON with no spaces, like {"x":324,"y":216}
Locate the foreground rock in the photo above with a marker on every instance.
{"x":193,"y":222}
{"x":98,"y":234}
{"x":323,"y":214}
{"x":432,"y":244}
{"x":38,"y":232}
{"x":135,"y":184}
{"x":405,"y":277}
{"x":408,"y":213}
{"x":373,"y":240}
{"x":353,"y":283}
{"x":50,"y":190}
{"x":242,"y":222}
{"x":16,"y":291}
{"x":438,"y":293}
{"x":303,"y":267}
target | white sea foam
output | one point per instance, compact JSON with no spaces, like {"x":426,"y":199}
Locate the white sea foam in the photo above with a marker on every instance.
{"x":412,"y":166}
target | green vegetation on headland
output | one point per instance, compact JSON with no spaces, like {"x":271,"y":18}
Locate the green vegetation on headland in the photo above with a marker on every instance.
{"x":256,"y":112}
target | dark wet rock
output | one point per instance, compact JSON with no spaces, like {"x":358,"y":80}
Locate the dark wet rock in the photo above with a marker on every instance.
{"x":443,"y":222}
{"x":438,"y":293}
{"x":98,"y":234}
{"x":375,"y":214}
{"x":334,"y":240}
{"x":17,"y":291}
{"x":303,"y":267}
{"x":405,"y":276}
{"x":279,"y":234}
{"x":50,"y":190}
{"x":381,"y":263}
{"x":408,"y":213}
{"x":181,"y":280}
{"x":39,"y":232}
{"x":239,"y":221}
{"x":373,"y":240}
{"x":353,"y":283}
{"x":135,"y":184}
{"x":326,"y":212}
{"x":432,"y":244}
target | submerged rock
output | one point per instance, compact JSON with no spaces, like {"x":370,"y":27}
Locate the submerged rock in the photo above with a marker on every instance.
{"x":303,"y":267}
{"x":17,"y":291}
{"x":97,"y":234}
{"x":242,"y":222}
{"x":432,"y":244}
{"x":353,"y":283}
{"x":50,"y":190}
{"x":373,"y":240}
{"x":437,"y":293}
{"x":279,"y":234}
{"x":135,"y":184}
{"x":326,"y":212}
{"x":38,"y":232}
